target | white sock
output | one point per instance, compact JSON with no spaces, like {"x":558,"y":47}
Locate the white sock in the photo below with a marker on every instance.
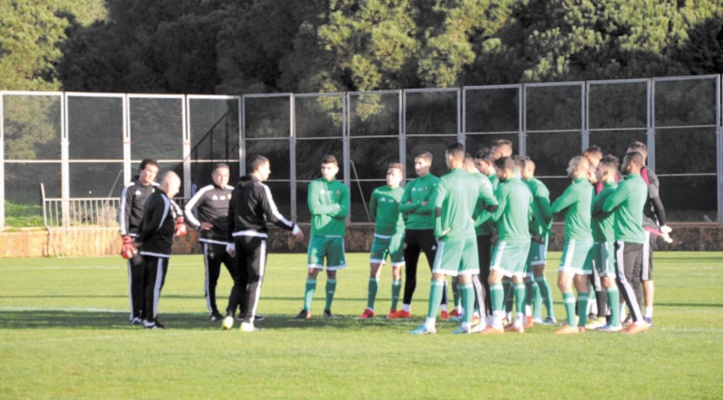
{"x":406,"y":307}
{"x":649,"y":312}
{"x":429,"y":323}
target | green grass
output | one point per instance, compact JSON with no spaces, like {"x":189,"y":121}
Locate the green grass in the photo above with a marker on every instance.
{"x":65,"y":334}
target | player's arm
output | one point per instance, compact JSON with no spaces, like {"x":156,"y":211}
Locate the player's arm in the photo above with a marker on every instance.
{"x":542,"y":199}
{"x":501,"y":195}
{"x":437,"y":199}
{"x":597,"y":204}
{"x":231,"y":217}
{"x":152,"y":217}
{"x":616,"y":198}
{"x":314,"y":201}
{"x":191,"y":207}
{"x":654,"y":195}
{"x":344,"y":204}
{"x":124,"y":211}
{"x":489,"y":205}
{"x":266,"y":200}
{"x":406,"y":205}
{"x":567,"y":199}
{"x":373,"y":206}
{"x":428,"y":208}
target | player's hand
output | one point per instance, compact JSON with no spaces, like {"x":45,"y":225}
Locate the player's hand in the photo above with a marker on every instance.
{"x":665,"y":233}
{"x":231,"y":249}
{"x":299,"y":236}
{"x":494,"y":239}
{"x":128,"y":250}
{"x":537,"y":238}
{"x":181,"y":229}
{"x":665,"y":229}
{"x":206,"y":226}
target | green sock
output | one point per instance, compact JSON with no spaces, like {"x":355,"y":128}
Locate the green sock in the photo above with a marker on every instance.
{"x":582,"y":308}
{"x":546,"y":294}
{"x":309,"y":293}
{"x":569,"y":300}
{"x":330,"y":288}
{"x":509,"y":292}
{"x":497,"y":295}
{"x":466,"y":291}
{"x":396,"y":289}
{"x":372,"y":292}
{"x":435,"y":297}
{"x":520,"y":298}
{"x":537,"y":300}
{"x":614,"y":304}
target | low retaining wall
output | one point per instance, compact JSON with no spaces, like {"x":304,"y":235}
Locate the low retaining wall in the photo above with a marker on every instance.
{"x":42,"y":243}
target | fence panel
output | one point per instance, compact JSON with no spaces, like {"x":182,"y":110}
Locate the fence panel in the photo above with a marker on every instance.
{"x":491,"y":113}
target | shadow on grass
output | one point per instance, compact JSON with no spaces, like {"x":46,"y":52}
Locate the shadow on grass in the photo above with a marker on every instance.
{"x":88,"y":320}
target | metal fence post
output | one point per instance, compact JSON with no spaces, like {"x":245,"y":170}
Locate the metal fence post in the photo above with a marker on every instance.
{"x":2,"y":162}
{"x":64,"y":161}
{"x":585,"y":116}
{"x":719,"y":132}
{"x":651,"y":125}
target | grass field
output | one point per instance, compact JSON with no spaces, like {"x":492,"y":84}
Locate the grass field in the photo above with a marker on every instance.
{"x":65,"y":334}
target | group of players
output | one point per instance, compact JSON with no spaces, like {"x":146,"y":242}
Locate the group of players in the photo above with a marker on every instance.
{"x":486,"y":223}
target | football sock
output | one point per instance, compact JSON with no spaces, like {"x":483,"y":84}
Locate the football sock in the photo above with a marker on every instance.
{"x":466,"y":291}
{"x":309,"y":293}
{"x":614,"y":301}
{"x":569,"y":300}
{"x":582,"y":299}
{"x":546,"y":294}
{"x":520,"y":298}
{"x":509,"y":299}
{"x":537,"y":302}
{"x":372,"y":292}
{"x":456,"y":294}
{"x":497,"y":296}
{"x":396,"y":289}
{"x":649,"y":312}
{"x":435,"y":295}
{"x":330,"y":288}
{"x":406,"y":307}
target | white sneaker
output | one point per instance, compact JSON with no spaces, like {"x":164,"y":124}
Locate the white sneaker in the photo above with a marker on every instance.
{"x":227,"y":323}
{"x":610,"y":328}
{"x":596,"y":323}
{"x":248,"y":327}
{"x":478,"y":328}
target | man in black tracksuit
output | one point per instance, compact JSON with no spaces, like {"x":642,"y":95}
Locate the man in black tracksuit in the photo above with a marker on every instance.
{"x":155,"y":240}
{"x":250,"y":208}
{"x":210,"y":206}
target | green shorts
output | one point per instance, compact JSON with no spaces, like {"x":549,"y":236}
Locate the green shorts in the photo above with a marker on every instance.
{"x":331,"y":247}
{"x":510,"y":258}
{"x":457,"y":257}
{"x":577,"y":257}
{"x":537,"y":254}
{"x":604,"y":258}
{"x":388,"y":245}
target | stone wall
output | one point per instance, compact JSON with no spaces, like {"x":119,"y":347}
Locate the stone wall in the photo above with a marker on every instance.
{"x":41,"y":243}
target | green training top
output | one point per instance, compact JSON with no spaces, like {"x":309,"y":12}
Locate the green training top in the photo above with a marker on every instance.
{"x":603,"y":222}
{"x":541,"y":208}
{"x":384,"y":208}
{"x":488,"y":227}
{"x":418,"y":191}
{"x":329,"y":206}
{"x":576,"y":201}
{"x":514,"y":210}
{"x":487,"y":194}
{"x":455,"y":199}
{"x":627,"y":201}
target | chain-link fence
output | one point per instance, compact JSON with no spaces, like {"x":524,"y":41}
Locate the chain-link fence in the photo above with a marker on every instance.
{"x":87,"y":145}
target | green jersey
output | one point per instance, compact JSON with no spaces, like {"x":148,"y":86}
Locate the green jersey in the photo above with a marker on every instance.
{"x":603,"y":229}
{"x":455,"y":199}
{"x":576,"y":201}
{"x":513,"y":213}
{"x":628,"y":201}
{"x":541,"y":209}
{"x":384,"y":208}
{"x":418,"y":191}
{"x":488,"y":227}
{"x":329,"y":206}
{"x":487,"y":195}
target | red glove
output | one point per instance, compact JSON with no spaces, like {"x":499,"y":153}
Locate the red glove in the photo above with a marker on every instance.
{"x":129,"y":249}
{"x":181,"y":229}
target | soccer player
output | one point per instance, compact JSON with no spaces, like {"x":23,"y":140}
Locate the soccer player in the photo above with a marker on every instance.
{"x":250,"y":208}
{"x":328,"y":201}
{"x":654,"y":225}
{"x":419,"y":232}
{"x":594,"y":155}
{"x":576,"y":262}
{"x":155,"y":240}
{"x":510,"y":254}
{"x":501,"y":148}
{"x":604,"y":236}
{"x":455,"y":199}
{"x":627,"y":202}
{"x":132,"y":203}
{"x":539,"y":288}
{"x":484,"y":164}
{"x":388,"y":237}
{"x":207,"y":211}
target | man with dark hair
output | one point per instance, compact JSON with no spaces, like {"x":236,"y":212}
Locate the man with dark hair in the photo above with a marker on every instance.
{"x":654,"y":225}
{"x":207,"y":212}
{"x":419,"y":232}
{"x":155,"y":240}
{"x":388,"y":237}
{"x":576,"y":261}
{"x":483,"y":163}
{"x":328,"y":201}
{"x":510,"y":254}
{"x":594,"y":155}
{"x":501,"y":148}
{"x":627,"y":202}
{"x":455,"y":199}
{"x":132,"y":203}
{"x":250,"y":208}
